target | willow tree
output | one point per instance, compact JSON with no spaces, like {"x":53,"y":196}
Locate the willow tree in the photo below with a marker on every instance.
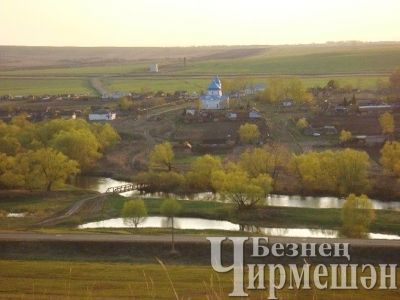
{"x":162,"y":156}
{"x":390,"y":157}
{"x":357,"y":216}
{"x":243,"y":191}
{"x":134,"y":212}
{"x":248,"y":133}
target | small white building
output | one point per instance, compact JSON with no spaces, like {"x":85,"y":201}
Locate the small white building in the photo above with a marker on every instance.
{"x":214,"y":99}
{"x":254,"y":114}
{"x":153,"y":68}
{"x":102,"y":115}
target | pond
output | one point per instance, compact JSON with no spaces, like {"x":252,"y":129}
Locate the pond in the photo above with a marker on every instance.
{"x":205,"y":224}
{"x":101,"y":184}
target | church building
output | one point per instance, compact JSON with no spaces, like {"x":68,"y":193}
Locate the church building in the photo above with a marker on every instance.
{"x":214,"y":99}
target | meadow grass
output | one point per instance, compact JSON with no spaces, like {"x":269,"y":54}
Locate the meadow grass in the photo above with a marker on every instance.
{"x":387,"y":221}
{"x":335,"y":62}
{"x":80,"y":71}
{"x":70,"y":280}
{"x":19,"y":86}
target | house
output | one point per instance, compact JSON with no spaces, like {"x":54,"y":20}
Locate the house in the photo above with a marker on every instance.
{"x":370,"y":140}
{"x":190,"y":111}
{"x":153,"y":68}
{"x":102,"y":115}
{"x":232,"y":116}
{"x":254,"y":89}
{"x":374,"y":109}
{"x":287,"y":103}
{"x":214,"y":99}
{"x":329,"y":130}
{"x":254,"y":114}
{"x":114,"y":95}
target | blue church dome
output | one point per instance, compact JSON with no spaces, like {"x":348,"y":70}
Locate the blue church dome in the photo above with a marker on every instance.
{"x":215,"y":84}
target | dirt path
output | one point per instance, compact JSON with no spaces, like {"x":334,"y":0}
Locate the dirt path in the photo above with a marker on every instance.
{"x":94,"y":203}
{"x":98,"y":86}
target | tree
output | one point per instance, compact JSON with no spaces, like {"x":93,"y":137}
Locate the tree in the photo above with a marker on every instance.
{"x":125,"y":104}
{"x":162,"y":156}
{"x":332,"y":84}
{"x":161,"y":181}
{"x":357,"y":216}
{"x":170,"y":208}
{"x":248,"y":133}
{"x":80,"y":145}
{"x":49,"y":168}
{"x":386,"y":121}
{"x":134,"y":212}
{"x":394,"y":79}
{"x":199,"y":176}
{"x":9,"y":178}
{"x":390,"y":157}
{"x":345,"y":136}
{"x":105,"y":135}
{"x":236,"y":185}
{"x":302,"y":123}
{"x":354,"y":100}
{"x":279,"y":89}
{"x":267,"y":160}
{"x":341,"y":172}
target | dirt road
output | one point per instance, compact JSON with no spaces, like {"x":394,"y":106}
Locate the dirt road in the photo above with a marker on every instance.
{"x":94,"y":237}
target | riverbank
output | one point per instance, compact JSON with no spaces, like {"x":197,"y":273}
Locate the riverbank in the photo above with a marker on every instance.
{"x":387,"y":221}
{"x":39,"y":206}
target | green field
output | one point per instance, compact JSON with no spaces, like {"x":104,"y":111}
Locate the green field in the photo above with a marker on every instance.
{"x":355,"y":61}
{"x":197,"y":85}
{"x":19,"y":86}
{"x":95,"y":280}
{"x":166,"y":85}
{"x":274,"y":60}
{"x":316,"y":64}
{"x":81,"y":71}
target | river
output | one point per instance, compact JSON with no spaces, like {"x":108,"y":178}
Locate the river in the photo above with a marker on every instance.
{"x":100,"y":184}
{"x":206,"y":224}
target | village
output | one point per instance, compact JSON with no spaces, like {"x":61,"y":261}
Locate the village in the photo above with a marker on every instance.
{"x":208,"y":121}
{"x":182,"y":150}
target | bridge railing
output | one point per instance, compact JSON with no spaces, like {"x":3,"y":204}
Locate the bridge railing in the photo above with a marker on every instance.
{"x":124,"y":188}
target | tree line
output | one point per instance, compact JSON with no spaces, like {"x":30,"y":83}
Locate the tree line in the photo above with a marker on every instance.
{"x":44,"y":155}
{"x":247,"y":180}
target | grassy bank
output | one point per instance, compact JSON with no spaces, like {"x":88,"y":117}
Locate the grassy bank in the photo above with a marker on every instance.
{"x":36,"y":205}
{"x":40,"y":205}
{"x":387,"y":221}
{"x":66,"y":280}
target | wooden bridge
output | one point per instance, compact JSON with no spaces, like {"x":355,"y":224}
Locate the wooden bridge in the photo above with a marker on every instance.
{"x":125,"y":188}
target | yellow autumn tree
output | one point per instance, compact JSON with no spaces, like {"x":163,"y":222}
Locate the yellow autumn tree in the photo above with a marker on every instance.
{"x":162,"y":156}
{"x":248,"y":133}
{"x":345,"y":136}
{"x":390,"y":157}
{"x":199,"y":176}
{"x":357,"y":216}
{"x":302,"y":123}
{"x":341,"y":172}
{"x":236,"y":185}
{"x":386,"y":122}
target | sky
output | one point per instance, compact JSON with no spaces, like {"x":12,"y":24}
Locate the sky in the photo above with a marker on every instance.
{"x":195,"y":22}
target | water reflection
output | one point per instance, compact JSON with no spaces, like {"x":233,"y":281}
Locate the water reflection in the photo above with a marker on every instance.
{"x":205,"y":224}
{"x":101,"y":184}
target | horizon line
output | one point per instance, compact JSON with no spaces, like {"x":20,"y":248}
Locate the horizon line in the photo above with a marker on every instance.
{"x":214,"y":45}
